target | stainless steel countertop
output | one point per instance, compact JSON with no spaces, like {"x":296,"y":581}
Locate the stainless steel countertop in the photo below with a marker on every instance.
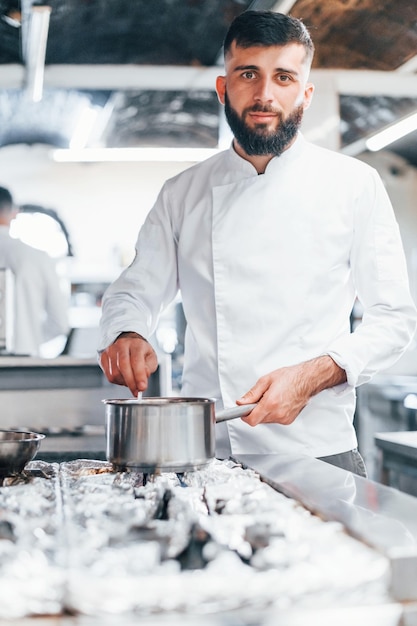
{"x":63,"y":372}
{"x":402,"y":442}
{"x":379,"y":615}
{"x":31,"y":361}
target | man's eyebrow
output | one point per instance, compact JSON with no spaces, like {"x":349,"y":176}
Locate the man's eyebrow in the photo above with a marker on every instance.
{"x":239,"y":68}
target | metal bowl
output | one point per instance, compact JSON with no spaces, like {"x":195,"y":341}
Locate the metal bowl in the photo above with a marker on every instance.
{"x":17,"y":448}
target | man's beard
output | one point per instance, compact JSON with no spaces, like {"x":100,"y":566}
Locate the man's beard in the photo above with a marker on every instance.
{"x":259,"y":141}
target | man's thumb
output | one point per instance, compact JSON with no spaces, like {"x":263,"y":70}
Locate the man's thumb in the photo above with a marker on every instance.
{"x":253,"y":395}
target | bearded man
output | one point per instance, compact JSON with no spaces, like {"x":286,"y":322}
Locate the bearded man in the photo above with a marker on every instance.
{"x":270,"y":243}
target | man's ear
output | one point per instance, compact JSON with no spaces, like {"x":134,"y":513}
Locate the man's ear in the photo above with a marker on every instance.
{"x":308,"y":95}
{"x":221,"y":88}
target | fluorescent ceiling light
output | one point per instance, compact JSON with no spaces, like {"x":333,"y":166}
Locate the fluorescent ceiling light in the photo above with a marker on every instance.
{"x":392,"y":133}
{"x":91,"y":155}
{"x":83,"y":129}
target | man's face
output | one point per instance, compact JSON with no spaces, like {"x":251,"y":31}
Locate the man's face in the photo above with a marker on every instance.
{"x":265,"y":94}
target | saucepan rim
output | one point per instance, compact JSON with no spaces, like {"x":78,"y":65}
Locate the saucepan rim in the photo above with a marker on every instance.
{"x":155,"y":401}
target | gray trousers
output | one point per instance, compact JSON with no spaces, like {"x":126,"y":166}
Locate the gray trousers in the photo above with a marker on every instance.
{"x":351,"y":461}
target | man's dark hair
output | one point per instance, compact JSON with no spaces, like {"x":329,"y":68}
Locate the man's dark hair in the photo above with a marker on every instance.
{"x":267,"y":28}
{"x":6,"y":200}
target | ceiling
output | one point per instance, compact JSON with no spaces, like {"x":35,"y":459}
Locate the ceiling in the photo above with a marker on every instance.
{"x":146,"y":68}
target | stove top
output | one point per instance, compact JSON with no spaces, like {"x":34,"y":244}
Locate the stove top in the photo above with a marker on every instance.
{"x":216,"y":540}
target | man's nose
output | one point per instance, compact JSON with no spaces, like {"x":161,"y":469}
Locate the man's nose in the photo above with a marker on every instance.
{"x":264,"y":91}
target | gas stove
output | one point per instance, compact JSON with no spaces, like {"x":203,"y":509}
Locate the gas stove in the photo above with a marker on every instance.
{"x":79,"y":538}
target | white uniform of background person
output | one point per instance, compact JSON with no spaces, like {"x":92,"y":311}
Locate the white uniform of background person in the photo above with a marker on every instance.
{"x":269,"y":267}
{"x":40,"y":308}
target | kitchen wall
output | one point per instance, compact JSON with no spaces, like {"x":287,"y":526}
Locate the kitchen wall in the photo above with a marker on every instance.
{"x":102,"y":204}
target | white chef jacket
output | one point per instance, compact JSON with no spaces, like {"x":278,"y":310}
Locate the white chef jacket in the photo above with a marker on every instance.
{"x":40,"y":307}
{"x":269,"y":267}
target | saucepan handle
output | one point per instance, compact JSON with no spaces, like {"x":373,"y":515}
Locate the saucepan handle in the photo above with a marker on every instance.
{"x":236,"y":411}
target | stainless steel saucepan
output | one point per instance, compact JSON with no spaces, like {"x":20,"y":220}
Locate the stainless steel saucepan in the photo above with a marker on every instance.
{"x":164,"y":434}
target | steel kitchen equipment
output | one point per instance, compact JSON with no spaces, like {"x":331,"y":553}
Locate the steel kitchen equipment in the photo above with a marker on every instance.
{"x":6,"y":309}
{"x":164,"y":434}
{"x":17,"y":448}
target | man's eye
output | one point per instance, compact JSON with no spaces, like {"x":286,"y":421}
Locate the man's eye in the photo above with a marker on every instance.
{"x":248,"y":74}
{"x":283,"y":78}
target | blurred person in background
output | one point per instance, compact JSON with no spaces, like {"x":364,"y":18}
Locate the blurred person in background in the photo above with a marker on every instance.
{"x":40,"y":307}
